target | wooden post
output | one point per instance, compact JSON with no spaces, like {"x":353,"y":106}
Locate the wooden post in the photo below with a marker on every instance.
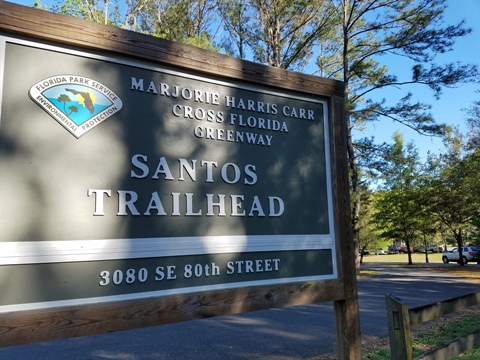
{"x":399,"y":328}
{"x":347,"y":318}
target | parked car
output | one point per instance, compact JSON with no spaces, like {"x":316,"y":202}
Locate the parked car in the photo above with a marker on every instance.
{"x":404,"y":250}
{"x":434,"y":248}
{"x":431,"y":249}
{"x":380,"y":252}
{"x":392,"y":249}
{"x":366,"y":252}
{"x":469,"y":253}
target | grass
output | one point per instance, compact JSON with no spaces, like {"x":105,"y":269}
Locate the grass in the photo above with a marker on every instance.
{"x":439,"y":333}
{"x":468,"y":271}
{"x":434,"y":333}
{"x":403,"y":258}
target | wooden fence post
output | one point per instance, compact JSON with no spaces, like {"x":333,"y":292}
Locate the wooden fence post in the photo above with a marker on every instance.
{"x":399,"y":328}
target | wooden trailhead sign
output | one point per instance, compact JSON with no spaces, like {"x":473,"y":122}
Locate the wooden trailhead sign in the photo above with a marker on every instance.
{"x":145,"y":182}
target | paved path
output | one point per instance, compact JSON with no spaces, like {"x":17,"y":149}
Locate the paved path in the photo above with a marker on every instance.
{"x":279,"y":334}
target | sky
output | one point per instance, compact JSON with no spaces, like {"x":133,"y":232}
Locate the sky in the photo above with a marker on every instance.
{"x":448,"y":109}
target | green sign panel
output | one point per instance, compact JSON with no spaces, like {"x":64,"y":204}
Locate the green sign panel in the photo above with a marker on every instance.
{"x":110,"y":168}
{"x":61,"y":282}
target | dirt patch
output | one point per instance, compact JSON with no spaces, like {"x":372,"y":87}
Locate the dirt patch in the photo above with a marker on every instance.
{"x":466,"y":271}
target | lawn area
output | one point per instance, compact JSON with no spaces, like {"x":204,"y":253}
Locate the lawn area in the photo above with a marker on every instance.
{"x":470,"y":271}
{"x":403,"y":258}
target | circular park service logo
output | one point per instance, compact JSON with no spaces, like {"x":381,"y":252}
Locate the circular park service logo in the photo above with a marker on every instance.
{"x":78,"y":103}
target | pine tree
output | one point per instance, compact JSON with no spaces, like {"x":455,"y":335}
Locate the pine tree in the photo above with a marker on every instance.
{"x":369,"y":29}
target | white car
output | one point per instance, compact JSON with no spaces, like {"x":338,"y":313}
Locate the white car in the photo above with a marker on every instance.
{"x":469,"y":254}
{"x":380,"y":252}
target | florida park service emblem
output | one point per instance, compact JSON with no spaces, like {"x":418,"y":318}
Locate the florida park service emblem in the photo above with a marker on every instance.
{"x":78,"y":103}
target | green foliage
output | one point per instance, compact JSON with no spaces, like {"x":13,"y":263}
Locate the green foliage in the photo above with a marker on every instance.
{"x":381,"y":354}
{"x":399,"y":209}
{"x":436,"y":337}
{"x":473,"y":354}
{"x":362,"y":34}
{"x":38,"y":5}
{"x":280,"y":33}
{"x":369,"y":236}
{"x":106,"y":12}
{"x":201,"y":41}
{"x":473,"y":121}
{"x":453,"y":186}
{"x":442,"y":334}
{"x":349,"y":39}
{"x":236,"y":17}
{"x":416,"y":204}
{"x":179,"y":20}
{"x":411,"y":29}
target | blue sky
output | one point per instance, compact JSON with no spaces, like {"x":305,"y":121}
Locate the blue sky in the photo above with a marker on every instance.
{"x":448,"y":109}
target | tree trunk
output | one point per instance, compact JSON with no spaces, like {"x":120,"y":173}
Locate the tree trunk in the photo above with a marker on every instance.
{"x":409,"y":252}
{"x":459,"y":239}
{"x":426,"y":250}
{"x":352,"y":161}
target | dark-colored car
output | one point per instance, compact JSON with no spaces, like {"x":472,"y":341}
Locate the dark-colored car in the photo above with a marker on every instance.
{"x":393,"y":249}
